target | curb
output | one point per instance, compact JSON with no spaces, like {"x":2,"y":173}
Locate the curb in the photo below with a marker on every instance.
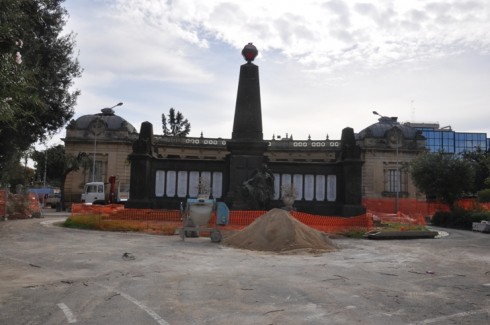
{"x":401,"y":235}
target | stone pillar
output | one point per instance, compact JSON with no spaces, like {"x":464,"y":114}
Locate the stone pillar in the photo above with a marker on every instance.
{"x":350,"y":157}
{"x":141,"y":178}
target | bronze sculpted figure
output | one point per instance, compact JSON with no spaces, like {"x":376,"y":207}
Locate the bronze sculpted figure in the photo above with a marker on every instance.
{"x":259,"y":189}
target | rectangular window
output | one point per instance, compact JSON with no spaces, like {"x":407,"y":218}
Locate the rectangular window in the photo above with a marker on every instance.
{"x":392,"y":180}
{"x":396,"y":181}
{"x":98,"y":175}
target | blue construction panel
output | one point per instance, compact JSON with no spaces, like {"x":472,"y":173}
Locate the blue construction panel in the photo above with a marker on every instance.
{"x":42,"y":191}
{"x":222,"y":213}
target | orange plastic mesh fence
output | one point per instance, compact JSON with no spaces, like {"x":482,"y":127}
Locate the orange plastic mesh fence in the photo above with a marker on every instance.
{"x":118,"y":212}
{"x":3,"y":203}
{"x":34,"y":205}
{"x":95,"y":209}
{"x":415,"y":207}
{"x":473,"y":204}
{"x":409,"y":219}
{"x":237,"y":219}
{"x":406,"y":206}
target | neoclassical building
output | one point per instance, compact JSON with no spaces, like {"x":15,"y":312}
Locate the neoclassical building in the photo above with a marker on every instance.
{"x":107,"y":139}
{"x":386,"y":148}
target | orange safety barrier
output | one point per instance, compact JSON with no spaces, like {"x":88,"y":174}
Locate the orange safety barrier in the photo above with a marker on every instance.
{"x":3,"y":203}
{"x":241,"y":219}
{"x":20,"y":209}
{"x":416,"y":207}
{"x":119,"y":212}
{"x":147,"y":215}
{"x":473,"y":204}
{"x":334,"y":224}
{"x":405,"y":205}
{"x":409,"y":219}
{"x":80,"y":208}
{"x":237,"y":219}
{"x":411,"y":211}
{"x":34,"y":205}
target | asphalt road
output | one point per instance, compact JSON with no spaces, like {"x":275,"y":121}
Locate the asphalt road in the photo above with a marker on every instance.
{"x":53,"y":275}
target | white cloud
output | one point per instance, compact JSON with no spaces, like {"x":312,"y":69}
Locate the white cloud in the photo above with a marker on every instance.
{"x":334,"y":33}
{"x":328,"y":61}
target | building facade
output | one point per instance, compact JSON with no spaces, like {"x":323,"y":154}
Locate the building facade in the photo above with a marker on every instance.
{"x":387,"y":149}
{"x":107,"y":139}
{"x":322,"y":173}
{"x":446,"y":140}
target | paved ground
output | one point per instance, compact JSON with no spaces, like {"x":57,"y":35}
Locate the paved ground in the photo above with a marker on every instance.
{"x":52,"y":275}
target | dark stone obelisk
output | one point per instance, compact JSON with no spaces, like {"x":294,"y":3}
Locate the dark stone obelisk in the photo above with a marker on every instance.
{"x":246,"y":146}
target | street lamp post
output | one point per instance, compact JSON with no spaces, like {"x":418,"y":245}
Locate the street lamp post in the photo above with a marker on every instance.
{"x":96,"y":130}
{"x":397,"y":168}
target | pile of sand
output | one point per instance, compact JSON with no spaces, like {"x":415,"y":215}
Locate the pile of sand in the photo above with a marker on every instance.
{"x":278,"y":231}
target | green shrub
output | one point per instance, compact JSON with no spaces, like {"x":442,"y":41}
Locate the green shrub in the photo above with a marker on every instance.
{"x":441,"y":218}
{"x":353,"y":232}
{"x":479,"y":216}
{"x":484,"y":195}
{"x":83,"y":222}
{"x":459,"y":218}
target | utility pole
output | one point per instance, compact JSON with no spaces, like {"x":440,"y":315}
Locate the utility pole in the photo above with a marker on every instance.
{"x":393,"y":123}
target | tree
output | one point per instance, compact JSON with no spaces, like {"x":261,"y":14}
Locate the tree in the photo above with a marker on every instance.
{"x":37,"y":68}
{"x":59,"y":165}
{"x":16,"y":174}
{"x":480,"y":160}
{"x":177,"y":125}
{"x":442,"y":175}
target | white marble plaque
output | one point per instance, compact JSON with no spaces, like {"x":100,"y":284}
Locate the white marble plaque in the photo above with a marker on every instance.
{"x":159,"y":183}
{"x":171,"y":178}
{"x":331,"y":188}
{"x":193,"y":183}
{"x":217,"y":187}
{"x":206,"y":176}
{"x":277,"y":186}
{"x":320,"y":188}
{"x":298,"y":185}
{"x":309,"y":187}
{"x":182,"y":184}
{"x":285,"y":180}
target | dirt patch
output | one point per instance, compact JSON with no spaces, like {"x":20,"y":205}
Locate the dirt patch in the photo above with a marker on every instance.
{"x":278,"y":231}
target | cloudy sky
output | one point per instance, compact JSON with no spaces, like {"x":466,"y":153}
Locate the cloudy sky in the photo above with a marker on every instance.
{"x":324,"y":64}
